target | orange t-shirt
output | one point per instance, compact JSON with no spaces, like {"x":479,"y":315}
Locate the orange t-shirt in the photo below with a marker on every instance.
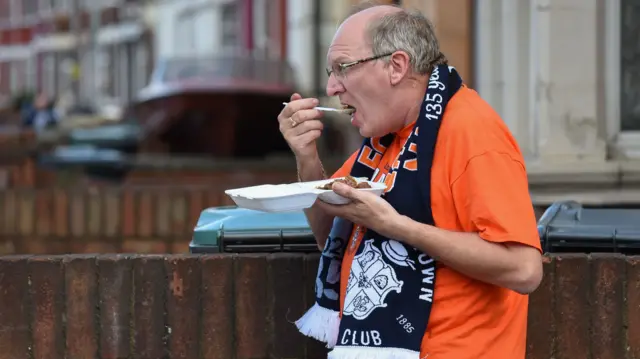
{"x":479,"y":184}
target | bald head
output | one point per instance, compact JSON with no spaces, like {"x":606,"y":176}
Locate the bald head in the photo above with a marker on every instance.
{"x":388,"y":28}
{"x":364,"y":14}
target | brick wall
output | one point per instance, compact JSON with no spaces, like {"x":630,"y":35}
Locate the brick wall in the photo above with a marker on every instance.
{"x":221,"y":307}
{"x":98,"y":220}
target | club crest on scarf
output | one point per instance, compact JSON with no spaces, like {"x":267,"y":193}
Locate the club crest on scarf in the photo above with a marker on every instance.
{"x":370,"y":280}
{"x":390,"y":289}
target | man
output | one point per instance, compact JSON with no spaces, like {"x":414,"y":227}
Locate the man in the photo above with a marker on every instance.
{"x":41,"y":114}
{"x":440,"y":266}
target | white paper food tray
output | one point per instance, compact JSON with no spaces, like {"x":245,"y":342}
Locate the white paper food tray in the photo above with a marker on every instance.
{"x":291,"y":197}
{"x":273,"y":198}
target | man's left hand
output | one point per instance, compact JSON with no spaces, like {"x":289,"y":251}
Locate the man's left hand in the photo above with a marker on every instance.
{"x":365,"y":209}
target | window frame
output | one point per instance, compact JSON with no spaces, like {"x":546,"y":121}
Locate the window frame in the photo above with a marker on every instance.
{"x":624,"y":143}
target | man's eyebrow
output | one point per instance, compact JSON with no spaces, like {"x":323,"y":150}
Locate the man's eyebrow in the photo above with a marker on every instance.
{"x":341,"y":59}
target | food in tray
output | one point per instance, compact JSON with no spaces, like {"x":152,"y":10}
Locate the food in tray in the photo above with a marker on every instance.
{"x":347,"y":180}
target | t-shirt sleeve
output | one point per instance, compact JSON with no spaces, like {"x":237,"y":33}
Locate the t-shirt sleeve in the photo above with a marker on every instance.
{"x":346,"y":167}
{"x":492,"y":198}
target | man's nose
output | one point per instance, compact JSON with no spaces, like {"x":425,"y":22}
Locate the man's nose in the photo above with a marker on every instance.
{"x":334,"y":87}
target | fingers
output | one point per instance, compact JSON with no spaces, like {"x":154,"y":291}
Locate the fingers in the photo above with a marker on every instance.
{"x":289,"y":122}
{"x":297,"y":105}
{"x":302,"y":141}
{"x":345,"y":190}
{"x":303,"y":127}
{"x":299,"y":125}
{"x":305,"y":115}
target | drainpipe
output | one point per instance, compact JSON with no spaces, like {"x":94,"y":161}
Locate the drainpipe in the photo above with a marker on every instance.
{"x":76,"y":56}
{"x":247,"y":26}
{"x":317,"y":47}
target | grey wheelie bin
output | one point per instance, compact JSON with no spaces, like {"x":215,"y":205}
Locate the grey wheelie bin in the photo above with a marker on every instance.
{"x":568,"y":226}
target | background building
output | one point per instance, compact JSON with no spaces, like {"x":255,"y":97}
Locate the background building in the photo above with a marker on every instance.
{"x":562,"y":73}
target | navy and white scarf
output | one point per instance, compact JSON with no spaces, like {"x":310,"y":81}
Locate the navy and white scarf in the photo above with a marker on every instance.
{"x":391,"y":285}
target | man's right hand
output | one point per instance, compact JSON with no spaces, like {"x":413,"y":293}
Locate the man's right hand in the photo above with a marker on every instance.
{"x":300,"y":126}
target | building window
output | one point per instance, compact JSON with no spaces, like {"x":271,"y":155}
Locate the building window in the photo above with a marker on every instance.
{"x":141,"y":72}
{"x":49,"y":70}
{"x":30,"y":7}
{"x":185,"y":35}
{"x":65,"y":63}
{"x":124,"y":75}
{"x":18,"y":75}
{"x":230,"y":28}
{"x":46,"y":6}
{"x":61,"y":5}
{"x":629,"y":65}
{"x":5,"y":78}
{"x":5,"y":10}
{"x":15,"y":8}
{"x":107,"y":68}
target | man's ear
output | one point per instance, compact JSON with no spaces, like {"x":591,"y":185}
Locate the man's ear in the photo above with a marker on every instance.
{"x":399,"y":65}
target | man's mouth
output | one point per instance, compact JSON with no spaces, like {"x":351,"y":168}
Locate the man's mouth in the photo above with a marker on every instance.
{"x":348,"y":109}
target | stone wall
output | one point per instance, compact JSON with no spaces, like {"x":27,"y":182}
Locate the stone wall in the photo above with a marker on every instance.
{"x":242,"y":306}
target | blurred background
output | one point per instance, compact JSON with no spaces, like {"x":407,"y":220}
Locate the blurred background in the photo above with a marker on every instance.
{"x":121,"y":120}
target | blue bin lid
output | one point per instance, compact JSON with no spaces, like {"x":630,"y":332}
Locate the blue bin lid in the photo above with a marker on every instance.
{"x":231,"y":221}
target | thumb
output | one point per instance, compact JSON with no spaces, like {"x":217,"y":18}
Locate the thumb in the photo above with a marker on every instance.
{"x":345,"y":190}
{"x":295,"y":96}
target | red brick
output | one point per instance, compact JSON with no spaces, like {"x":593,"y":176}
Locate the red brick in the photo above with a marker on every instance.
{"x":43,"y":245}
{"x":196,"y":205}
{"x":112,"y":218}
{"x":315,"y":348}
{"x":3,"y":210}
{"x":44,"y":212}
{"x":163,"y":214}
{"x":61,"y":213}
{"x":128,"y":217}
{"x":214,"y":198}
{"x":94,"y":212}
{"x":183,"y":305}
{"x":179,"y":214}
{"x":633,"y":307}
{"x":115,"y":304}
{"x":10,"y":210}
{"x":78,"y":214}
{"x":28,"y":173}
{"x":47,"y":292}
{"x":14,"y":318}
{"x":217,"y":299}
{"x":251,"y":307}
{"x":144,"y":246}
{"x":145,"y":215}
{"x":541,"y":320}
{"x":607,"y":331}
{"x":81,"y":303}
{"x":16,"y":178}
{"x":94,"y":246}
{"x":26,"y":220}
{"x":7,"y":247}
{"x":572,"y":306}
{"x":180,"y":247}
{"x":286,"y":274}
{"x":149,"y":283}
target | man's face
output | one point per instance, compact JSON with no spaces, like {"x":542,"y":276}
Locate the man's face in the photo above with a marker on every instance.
{"x":364,"y":86}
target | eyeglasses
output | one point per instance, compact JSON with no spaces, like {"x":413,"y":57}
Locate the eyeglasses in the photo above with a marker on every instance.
{"x":339,"y":69}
